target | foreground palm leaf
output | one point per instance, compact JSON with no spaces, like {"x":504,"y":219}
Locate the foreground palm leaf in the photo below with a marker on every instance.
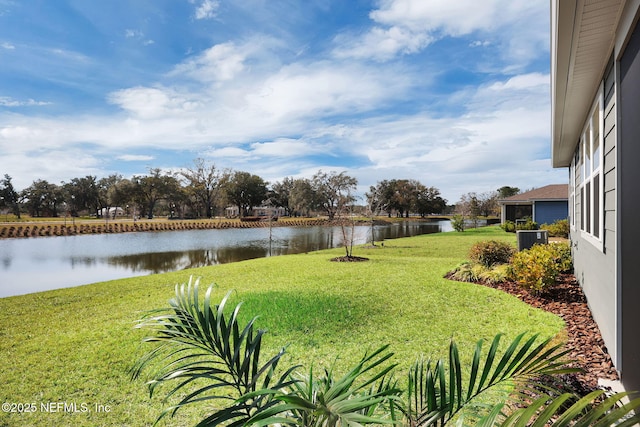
{"x":362,"y":396}
{"x":588,"y":411}
{"x":438,"y":392}
{"x":211,"y":357}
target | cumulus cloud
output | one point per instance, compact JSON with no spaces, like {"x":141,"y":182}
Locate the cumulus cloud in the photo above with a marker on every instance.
{"x":207,"y":9}
{"x":408,"y":26}
{"x":218,"y":63}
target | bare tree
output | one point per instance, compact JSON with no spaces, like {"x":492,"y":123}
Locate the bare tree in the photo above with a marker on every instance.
{"x":333,"y":191}
{"x":204,"y":183}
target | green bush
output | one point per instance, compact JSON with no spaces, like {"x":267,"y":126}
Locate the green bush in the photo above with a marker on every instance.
{"x":496,"y":274}
{"x":559,"y":228}
{"x":529,"y":224}
{"x":457,"y":222}
{"x":470,"y":272}
{"x":508,"y":226}
{"x":538,"y":267}
{"x":491,"y":252}
{"x":562,"y":254}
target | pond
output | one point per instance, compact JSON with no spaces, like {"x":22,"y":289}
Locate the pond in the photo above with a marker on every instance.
{"x":45,"y":263}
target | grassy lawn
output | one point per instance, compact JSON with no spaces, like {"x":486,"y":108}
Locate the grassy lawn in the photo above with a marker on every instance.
{"x":75,"y":345}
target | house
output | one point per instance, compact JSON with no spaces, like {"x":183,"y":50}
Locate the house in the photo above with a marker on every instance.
{"x":595,"y":90}
{"x":544,"y":205}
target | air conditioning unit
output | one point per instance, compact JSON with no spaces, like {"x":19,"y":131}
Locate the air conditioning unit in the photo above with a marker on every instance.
{"x":528,"y":238}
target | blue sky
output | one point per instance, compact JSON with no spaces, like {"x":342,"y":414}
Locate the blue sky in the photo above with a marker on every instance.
{"x":454,"y":94}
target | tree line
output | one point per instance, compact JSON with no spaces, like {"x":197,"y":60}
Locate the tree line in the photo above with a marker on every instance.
{"x":205,"y":191}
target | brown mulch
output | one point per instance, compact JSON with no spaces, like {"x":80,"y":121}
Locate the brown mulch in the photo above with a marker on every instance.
{"x":567,"y":300}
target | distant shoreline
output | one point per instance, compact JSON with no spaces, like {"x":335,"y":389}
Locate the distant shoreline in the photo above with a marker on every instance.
{"x":17,"y":230}
{"x":84,"y":227}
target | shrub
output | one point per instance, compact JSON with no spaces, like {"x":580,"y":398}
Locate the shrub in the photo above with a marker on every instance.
{"x":457,"y":222}
{"x":508,"y":226}
{"x":529,"y":224}
{"x":496,"y":274}
{"x":491,"y":252}
{"x":559,"y":228}
{"x":464,"y":273}
{"x":562,"y":254}
{"x":538,"y":267}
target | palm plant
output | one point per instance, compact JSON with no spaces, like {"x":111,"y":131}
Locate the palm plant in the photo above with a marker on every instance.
{"x":212,"y":358}
{"x":438,"y":392}
{"x":197,"y":345}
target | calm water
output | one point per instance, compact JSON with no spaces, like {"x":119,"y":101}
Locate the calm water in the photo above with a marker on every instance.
{"x":44,"y":263}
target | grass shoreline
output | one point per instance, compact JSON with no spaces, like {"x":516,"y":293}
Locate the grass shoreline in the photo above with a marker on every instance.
{"x":75,"y":345}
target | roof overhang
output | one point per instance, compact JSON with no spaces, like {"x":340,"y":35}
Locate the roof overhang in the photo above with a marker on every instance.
{"x":582,"y":39}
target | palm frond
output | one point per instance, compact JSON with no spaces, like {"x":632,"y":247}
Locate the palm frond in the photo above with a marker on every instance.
{"x":359,"y":397}
{"x":434,"y":400}
{"x":198,"y":344}
{"x":593,"y":410}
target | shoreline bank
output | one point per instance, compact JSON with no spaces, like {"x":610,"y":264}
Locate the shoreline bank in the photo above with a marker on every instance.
{"x":52,"y":229}
{"x":13,"y":230}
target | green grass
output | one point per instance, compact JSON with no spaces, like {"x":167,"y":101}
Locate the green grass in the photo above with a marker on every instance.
{"x":75,"y":345}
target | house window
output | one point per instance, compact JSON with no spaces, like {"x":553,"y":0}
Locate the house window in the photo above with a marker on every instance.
{"x":588,"y":175}
{"x":573,"y":171}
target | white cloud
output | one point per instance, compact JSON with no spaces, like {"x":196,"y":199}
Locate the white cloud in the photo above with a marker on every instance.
{"x":130,"y":33}
{"x":381,"y":43}
{"x":135,"y":158}
{"x":286,"y":147}
{"x":10,"y":102}
{"x":7,"y":45}
{"x":480,"y":43}
{"x":207,"y":9}
{"x":218,"y":63}
{"x":153,"y":103}
{"x":409,"y":26}
{"x":138,"y":35}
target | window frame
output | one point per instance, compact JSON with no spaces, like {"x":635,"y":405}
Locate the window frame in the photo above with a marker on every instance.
{"x":591,"y":221}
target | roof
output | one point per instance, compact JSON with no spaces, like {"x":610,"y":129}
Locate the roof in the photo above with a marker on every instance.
{"x":556,"y":192}
{"x":583,"y":35}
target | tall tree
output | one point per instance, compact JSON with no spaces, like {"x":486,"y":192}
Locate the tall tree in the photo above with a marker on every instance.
{"x":506,"y":191}
{"x":333,"y":191}
{"x":83,"y":194}
{"x":9,"y":197}
{"x":204,"y":182}
{"x":107,"y":196}
{"x":280,"y":195}
{"x":302,"y":197}
{"x":245,"y":191}
{"x":42,"y":198}
{"x":428,"y":201}
{"x":154,"y":187}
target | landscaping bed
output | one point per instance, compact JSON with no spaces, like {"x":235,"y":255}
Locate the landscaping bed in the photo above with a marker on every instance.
{"x":567,"y":300}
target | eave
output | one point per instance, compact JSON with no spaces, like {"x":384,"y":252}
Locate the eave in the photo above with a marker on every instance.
{"x":582,"y":39}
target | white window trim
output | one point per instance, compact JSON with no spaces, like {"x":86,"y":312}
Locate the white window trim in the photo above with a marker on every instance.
{"x":598,"y":242}
{"x":572,"y":195}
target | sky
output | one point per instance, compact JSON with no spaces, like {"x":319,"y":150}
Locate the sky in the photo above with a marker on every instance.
{"x":454,"y":94}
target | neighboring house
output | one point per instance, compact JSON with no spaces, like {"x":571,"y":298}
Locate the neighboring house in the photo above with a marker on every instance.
{"x":544,"y":205}
{"x":113,"y":212}
{"x":595,"y":87}
{"x":262,"y":211}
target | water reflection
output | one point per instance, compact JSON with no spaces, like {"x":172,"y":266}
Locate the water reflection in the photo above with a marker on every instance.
{"x":32,"y":265}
